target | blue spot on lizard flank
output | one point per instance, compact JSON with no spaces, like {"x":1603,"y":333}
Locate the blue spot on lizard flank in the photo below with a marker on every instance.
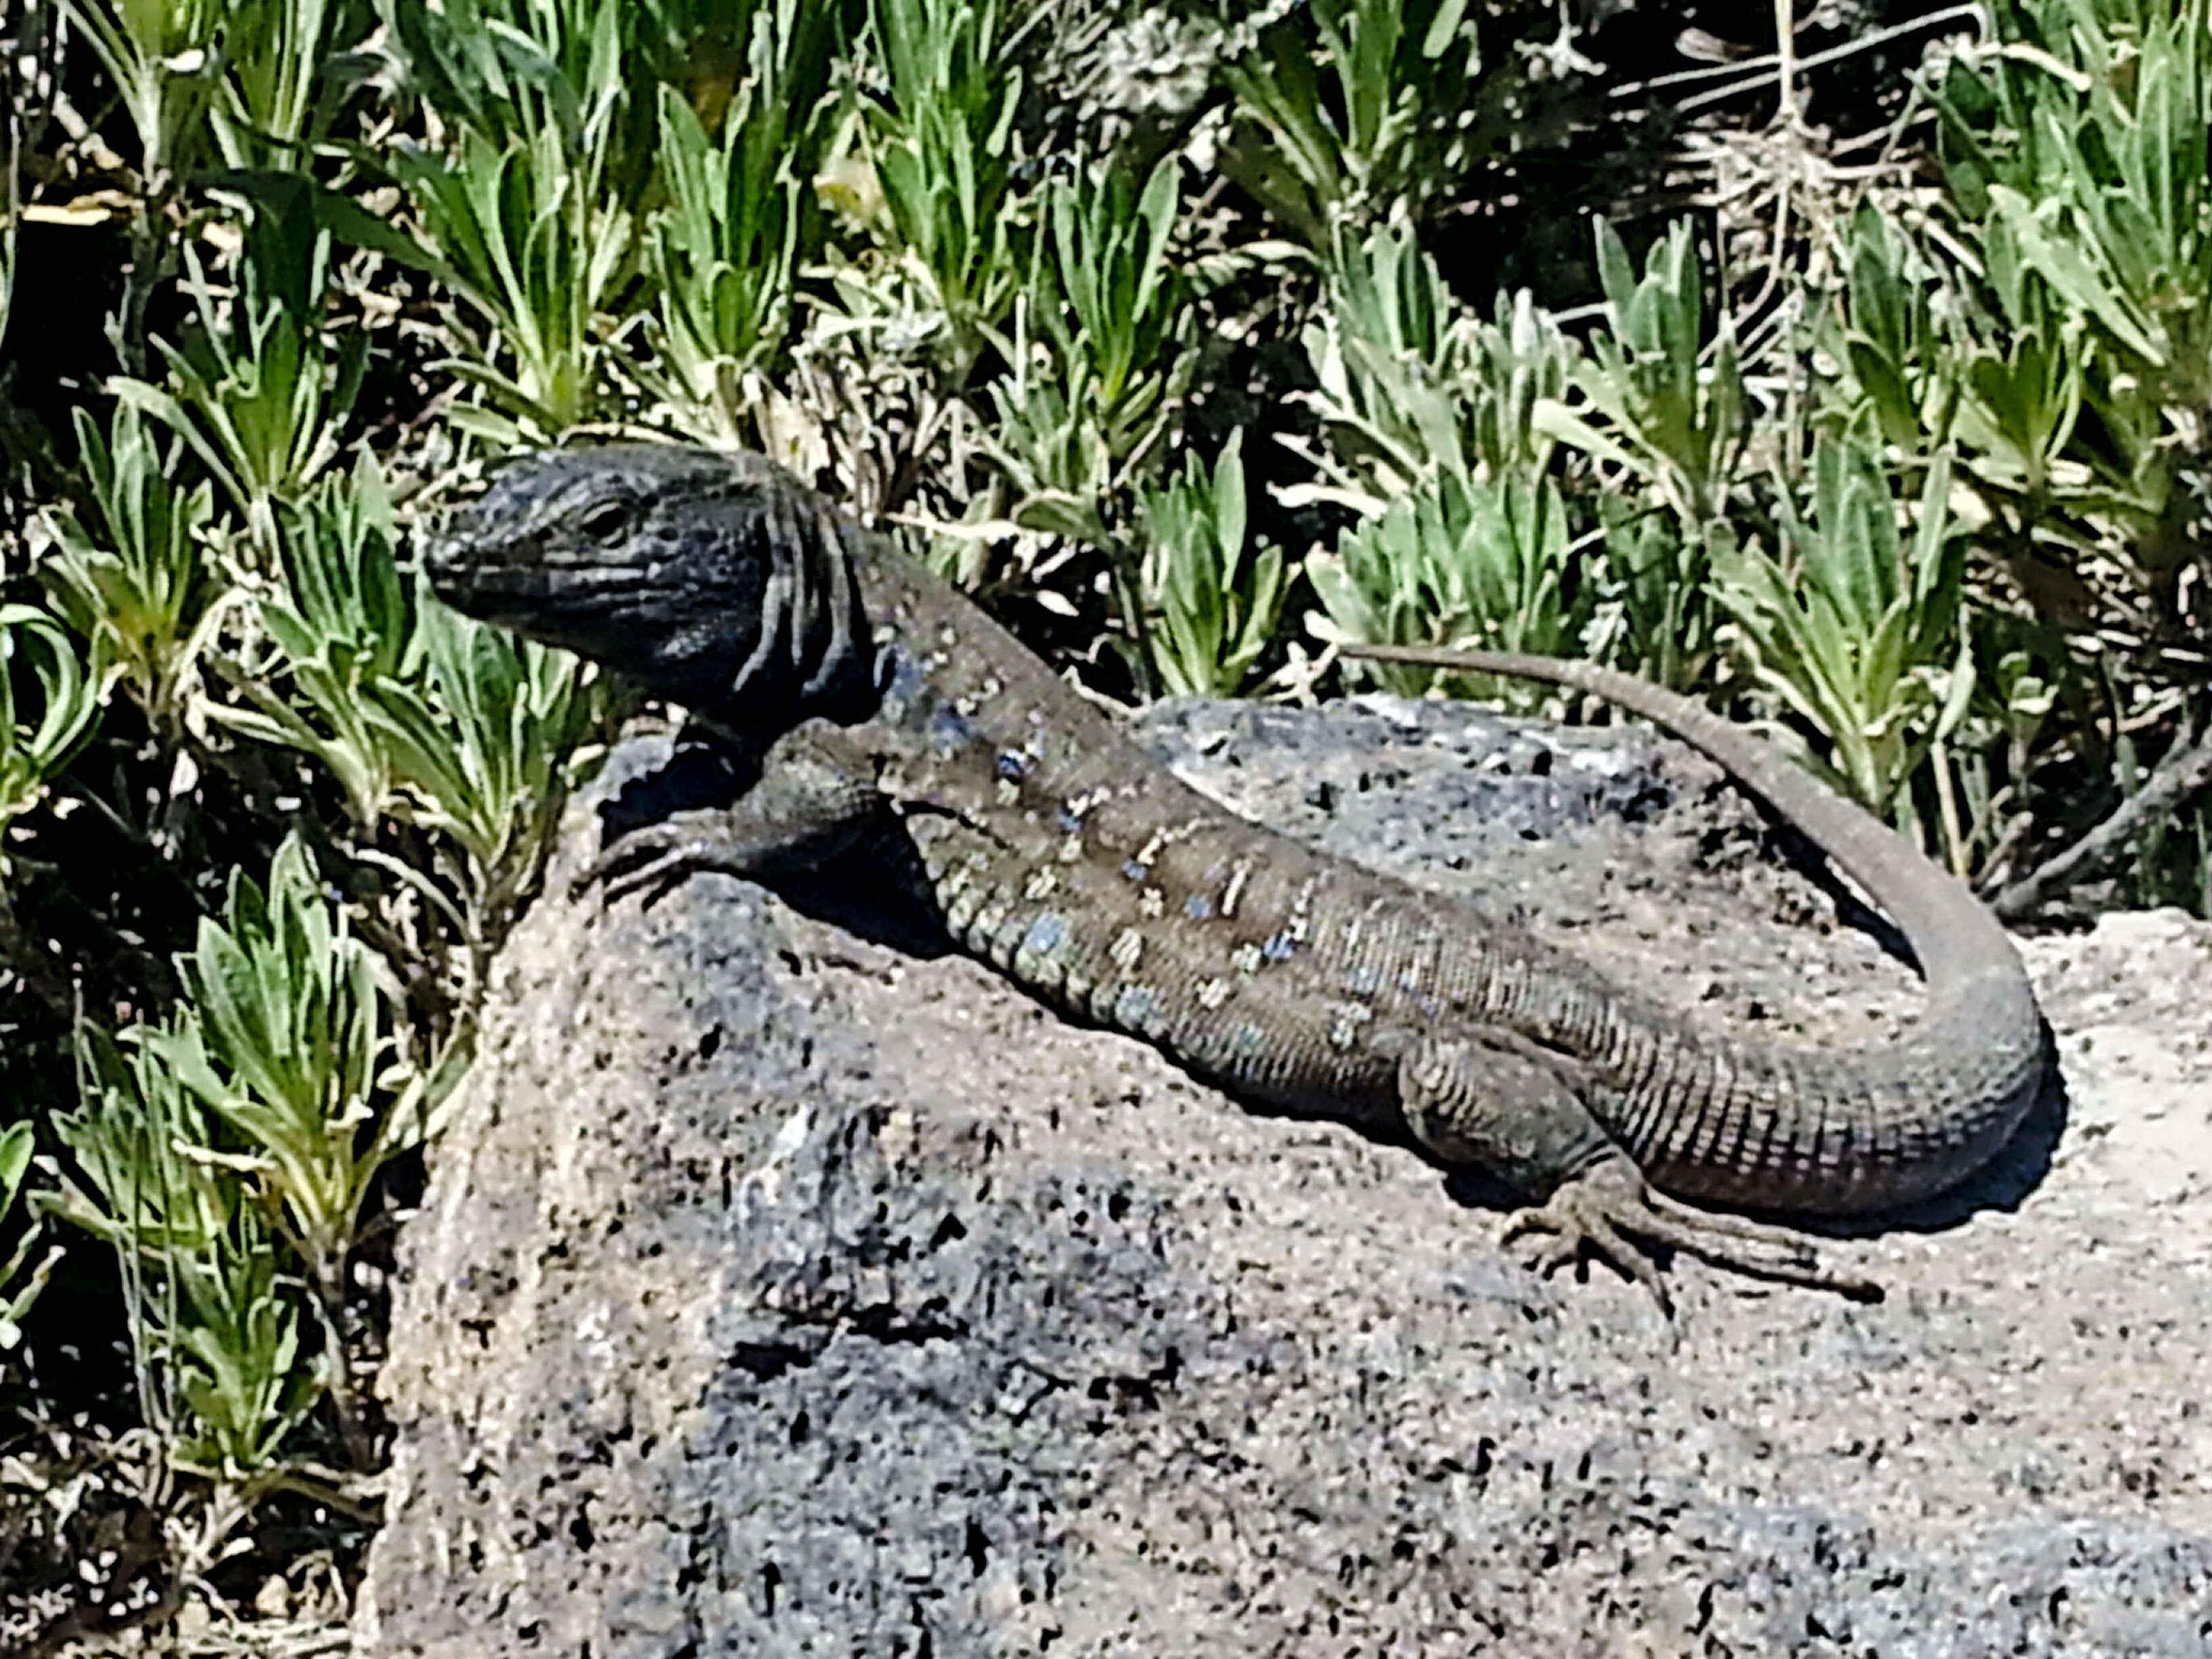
{"x":1198,"y":907}
{"x":948,"y":732}
{"x":1422,"y":998}
{"x":905,"y":677}
{"x":1136,"y":1009}
{"x":1281,"y":948}
{"x":1070,"y":822}
{"x":1134,"y":870}
{"x":1013,"y":766}
{"x":1045,"y":935}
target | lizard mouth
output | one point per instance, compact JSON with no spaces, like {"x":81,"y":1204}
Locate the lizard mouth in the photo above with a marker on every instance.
{"x":492,"y":592}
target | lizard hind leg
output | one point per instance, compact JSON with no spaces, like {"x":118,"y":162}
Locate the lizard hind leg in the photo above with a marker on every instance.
{"x":1491,"y":1099}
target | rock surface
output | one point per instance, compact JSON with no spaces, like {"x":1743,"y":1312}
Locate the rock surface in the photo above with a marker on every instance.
{"x":784,"y":1290}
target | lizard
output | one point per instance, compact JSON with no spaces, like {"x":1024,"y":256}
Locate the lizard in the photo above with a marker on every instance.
{"x":864,"y":703}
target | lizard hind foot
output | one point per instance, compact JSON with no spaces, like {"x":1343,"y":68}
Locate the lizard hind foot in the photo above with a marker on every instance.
{"x":1610,"y":1212}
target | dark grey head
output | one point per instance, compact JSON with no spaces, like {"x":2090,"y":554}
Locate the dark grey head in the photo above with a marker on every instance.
{"x":706,"y":578}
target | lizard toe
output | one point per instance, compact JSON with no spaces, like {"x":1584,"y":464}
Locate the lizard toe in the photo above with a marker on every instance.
{"x":1584,"y":1220}
{"x":1607,"y":1211}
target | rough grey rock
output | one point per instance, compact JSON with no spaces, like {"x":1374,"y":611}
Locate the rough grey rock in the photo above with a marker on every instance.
{"x":782,"y":1290}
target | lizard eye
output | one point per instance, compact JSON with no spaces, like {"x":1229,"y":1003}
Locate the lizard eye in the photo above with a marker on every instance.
{"x":604,"y":521}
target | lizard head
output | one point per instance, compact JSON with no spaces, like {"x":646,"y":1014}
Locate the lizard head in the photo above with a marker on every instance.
{"x":705,"y":578}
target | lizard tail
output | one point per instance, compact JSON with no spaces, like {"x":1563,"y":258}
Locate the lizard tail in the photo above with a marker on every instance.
{"x":1982,"y":1021}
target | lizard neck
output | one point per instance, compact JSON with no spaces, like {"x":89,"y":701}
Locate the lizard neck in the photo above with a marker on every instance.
{"x":811,"y":655}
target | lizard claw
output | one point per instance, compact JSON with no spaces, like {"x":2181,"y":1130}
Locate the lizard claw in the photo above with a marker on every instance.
{"x":1607,"y":1211}
{"x":632,"y":865}
{"x":1585,"y":1217}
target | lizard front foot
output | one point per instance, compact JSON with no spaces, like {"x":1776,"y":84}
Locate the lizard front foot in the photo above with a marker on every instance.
{"x":815,"y":797}
{"x":1609,"y":1211}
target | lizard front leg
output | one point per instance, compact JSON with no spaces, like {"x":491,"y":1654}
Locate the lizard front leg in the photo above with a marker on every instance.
{"x":817,"y":796}
{"x":1493,"y":1098}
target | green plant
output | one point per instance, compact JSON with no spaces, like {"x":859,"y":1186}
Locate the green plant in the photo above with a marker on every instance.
{"x":1046,"y":439}
{"x":1856,"y":629}
{"x":1902,"y":366}
{"x":213,"y":1327}
{"x":262,"y":393}
{"x":726,"y":251}
{"x":1409,"y":380}
{"x":2019,"y":416}
{"x":1096,"y":361}
{"x":2087,"y":153}
{"x":1349,"y":110}
{"x":259,"y":1111}
{"x":1518,"y":364}
{"x":1389,"y":352}
{"x":1655,"y":612}
{"x":940,"y":140}
{"x":2076,"y":153}
{"x":419,"y":713}
{"x":1436,"y":438}
{"x":529,"y":215}
{"x":1458,"y":561}
{"x":32,"y":753}
{"x":281,"y":90}
{"x":133,"y":579}
{"x":509,"y":69}
{"x":480,"y":728}
{"x":342,"y":621}
{"x":16,"y":1142}
{"x":2044,"y":317}
{"x":1123,"y":318}
{"x":1214,"y":605}
{"x":1667,"y":420}
{"x":161,"y":55}
{"x":287,"y":1036}
{"x":740,"y":220}
{"x":534,"y":251}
